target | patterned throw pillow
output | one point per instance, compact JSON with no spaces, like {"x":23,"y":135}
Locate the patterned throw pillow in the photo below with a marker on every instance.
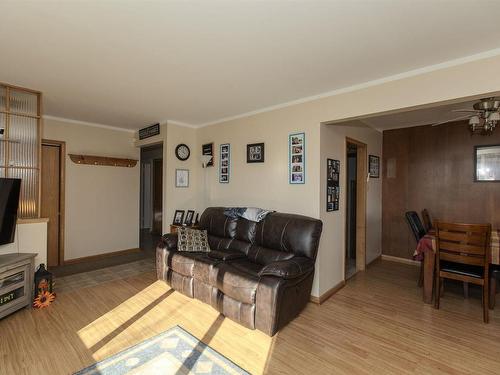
{"x":192,"y":240}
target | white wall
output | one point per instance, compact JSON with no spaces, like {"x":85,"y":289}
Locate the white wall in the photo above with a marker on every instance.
{"x":266,"y":185}
{"x":181,"y":198}
{"x":102,"y":203}
{"x":30,"y":237}
{"x":332,"y":251}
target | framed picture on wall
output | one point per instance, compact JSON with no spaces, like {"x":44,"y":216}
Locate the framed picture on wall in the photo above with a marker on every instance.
{"x":332,"y":185}
{"x":255,"y":153}
{"x":182,"y":178}
{"x":224,"y":163}
{"x":487,"y":163}
{"x":374,"y":166}
{"x":208,"y":149}
{"x":297,"y":155}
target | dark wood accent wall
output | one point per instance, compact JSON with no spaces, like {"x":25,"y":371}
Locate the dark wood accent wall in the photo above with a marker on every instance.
{"x":433,"y":168}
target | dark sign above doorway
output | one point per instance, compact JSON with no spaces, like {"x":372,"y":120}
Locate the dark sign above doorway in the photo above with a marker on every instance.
{"x":149,"y":131}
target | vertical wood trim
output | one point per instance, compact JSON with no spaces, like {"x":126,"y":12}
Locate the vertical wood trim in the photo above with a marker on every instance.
{"x":361,"y":208}
{"x":62,"y":192}
{"x":6,"y":133}
{"x":361,"y":172}
{"x":39,"y":164}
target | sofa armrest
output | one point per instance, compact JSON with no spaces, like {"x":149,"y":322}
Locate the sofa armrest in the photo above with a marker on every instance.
{"x":169,"y":241}
{"x":288,"y":269}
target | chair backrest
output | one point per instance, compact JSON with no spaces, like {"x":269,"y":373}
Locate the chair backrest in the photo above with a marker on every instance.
{"x":463,"y":243}
{"x":427,"y":220}
{"x":415,"y":224}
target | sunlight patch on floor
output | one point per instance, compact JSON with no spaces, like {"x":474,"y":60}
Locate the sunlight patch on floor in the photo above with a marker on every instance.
{"x":137,"y":312}
{"x":157,"y":308}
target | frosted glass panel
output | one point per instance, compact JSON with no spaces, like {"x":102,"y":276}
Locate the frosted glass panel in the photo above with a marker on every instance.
{"x":23,"y":102}
{"x":2,"y":137}
{"x":29,"y":191}
{"x":23,"y":130}
{"x":2,"y":172}
{"x":2,"y":98}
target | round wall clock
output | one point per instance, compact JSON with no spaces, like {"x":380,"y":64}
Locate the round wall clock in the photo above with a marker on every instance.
{"x":182,"y":152}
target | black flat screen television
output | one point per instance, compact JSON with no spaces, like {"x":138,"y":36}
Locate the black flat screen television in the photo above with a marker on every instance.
{"x":10,"y":189}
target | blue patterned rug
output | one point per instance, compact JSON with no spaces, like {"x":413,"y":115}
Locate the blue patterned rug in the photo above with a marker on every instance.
{"x":172,"y":352}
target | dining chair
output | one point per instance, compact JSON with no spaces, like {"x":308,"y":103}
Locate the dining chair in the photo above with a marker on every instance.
{"x":427,"y":220}
{"x":462,"y":254}
{"x":418,"y":231}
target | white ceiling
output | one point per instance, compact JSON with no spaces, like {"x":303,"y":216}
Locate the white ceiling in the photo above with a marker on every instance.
{"x":133,"y":63}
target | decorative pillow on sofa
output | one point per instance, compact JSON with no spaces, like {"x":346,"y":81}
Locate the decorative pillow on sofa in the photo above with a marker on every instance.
{"x":192,"y":240}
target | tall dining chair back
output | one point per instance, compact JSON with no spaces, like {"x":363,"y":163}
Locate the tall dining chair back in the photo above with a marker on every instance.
{"x":418,"y":231}
{"x":427,"y":220}
{"x":415,"y":224}
{"x":462,"y":254}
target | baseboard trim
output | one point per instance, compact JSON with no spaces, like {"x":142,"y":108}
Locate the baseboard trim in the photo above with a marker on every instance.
{"x":330,"y":292}
{"x":100,"y":256}
{"x":391,"y":258}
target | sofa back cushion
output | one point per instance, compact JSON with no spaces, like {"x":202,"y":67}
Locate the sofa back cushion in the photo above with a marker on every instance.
{"x":218,"y":224}
{"x":290,"y":233}
{"x":280,"y":235}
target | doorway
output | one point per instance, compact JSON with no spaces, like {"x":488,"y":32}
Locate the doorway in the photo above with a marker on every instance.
{"x":355,"y":211}
{"x":52,"y":198}
{"x":151,"y":201}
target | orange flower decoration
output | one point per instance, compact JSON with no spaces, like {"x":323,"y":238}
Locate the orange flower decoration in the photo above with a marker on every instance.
{"x":44,"y":299}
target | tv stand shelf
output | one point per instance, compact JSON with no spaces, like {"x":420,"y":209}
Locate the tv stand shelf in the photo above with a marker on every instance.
{"x":16,"y":282}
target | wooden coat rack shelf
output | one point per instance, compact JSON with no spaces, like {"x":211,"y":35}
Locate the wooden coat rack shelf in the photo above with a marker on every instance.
{"x":102,"y":160}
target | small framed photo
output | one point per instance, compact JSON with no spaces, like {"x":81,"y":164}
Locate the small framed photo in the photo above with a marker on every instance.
{"x":178,"y":217}
{"x":296,"y":162}
{"x":255,"y":153}
{"x":374,"y":166}
{"x":189,"y":218}
{"x":182,"y":178}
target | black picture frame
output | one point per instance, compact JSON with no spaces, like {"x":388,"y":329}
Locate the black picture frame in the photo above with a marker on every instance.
{"x":374,"y":166}
{"x":189,"y":218}
{"x":208,"y":149}
{"x":178,"y":217}
{"x":255,"y":153}
{"x":476,"y":174}
{"x":332,"y":185}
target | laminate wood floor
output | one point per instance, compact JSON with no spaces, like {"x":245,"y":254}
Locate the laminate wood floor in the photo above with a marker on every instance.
{"x":377,"y":324}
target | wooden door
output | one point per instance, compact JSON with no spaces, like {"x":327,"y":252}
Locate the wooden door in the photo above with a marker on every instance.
{"x":51,"y":204}
{"x":157,"y":195}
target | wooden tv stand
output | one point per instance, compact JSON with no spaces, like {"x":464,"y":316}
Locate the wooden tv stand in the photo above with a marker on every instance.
{"x":16,"y":282}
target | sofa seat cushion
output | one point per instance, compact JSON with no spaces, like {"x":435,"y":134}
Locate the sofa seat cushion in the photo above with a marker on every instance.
{"x":237,"y":284}
{"x":205,"y":269}
{"x":182,"y":262}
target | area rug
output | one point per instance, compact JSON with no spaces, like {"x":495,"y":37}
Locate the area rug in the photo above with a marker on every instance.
{"x":172,"y":352}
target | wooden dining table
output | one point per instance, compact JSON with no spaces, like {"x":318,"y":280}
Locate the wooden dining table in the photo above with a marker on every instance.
{"x":426,"y":251}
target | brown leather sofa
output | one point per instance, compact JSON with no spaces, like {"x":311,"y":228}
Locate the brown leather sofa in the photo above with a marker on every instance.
{"x":257,"y":274}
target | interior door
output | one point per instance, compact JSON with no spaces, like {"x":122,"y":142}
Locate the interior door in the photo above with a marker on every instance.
{"x":157,"y":195}
{"x":50,"y":199}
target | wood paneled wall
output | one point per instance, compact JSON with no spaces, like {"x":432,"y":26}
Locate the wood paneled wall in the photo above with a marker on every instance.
{"x":433,"y":167}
